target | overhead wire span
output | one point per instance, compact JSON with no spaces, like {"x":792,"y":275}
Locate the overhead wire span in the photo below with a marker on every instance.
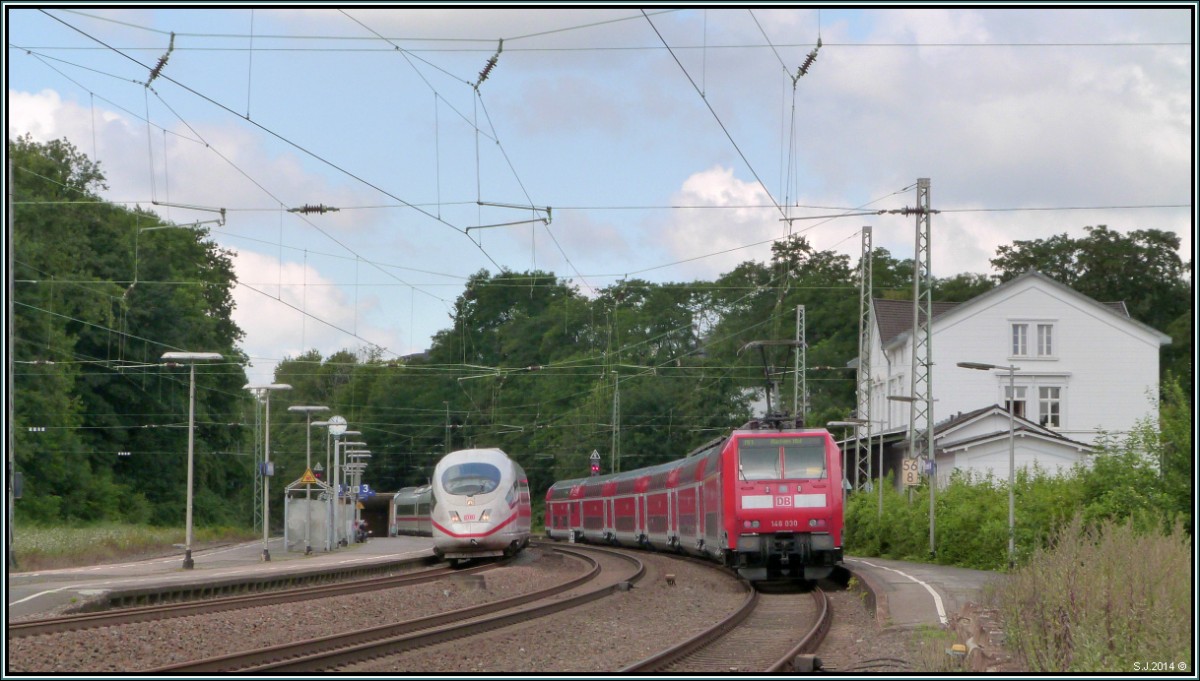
{"x":544,"y":221}
{"x":714,"y":114}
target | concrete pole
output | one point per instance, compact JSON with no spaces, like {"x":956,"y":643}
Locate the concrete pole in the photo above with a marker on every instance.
{"x":188,"y":563}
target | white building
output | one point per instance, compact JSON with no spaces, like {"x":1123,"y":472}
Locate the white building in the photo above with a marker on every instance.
{"x":1083,"y":368}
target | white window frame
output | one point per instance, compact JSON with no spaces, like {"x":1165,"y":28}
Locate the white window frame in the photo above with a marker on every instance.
{"x":1019,"y":340}
{"x":1045,"y":339}
{"x":1031,"y":338}
{"x":1050,"y":405}
{"x":1021,"y":399}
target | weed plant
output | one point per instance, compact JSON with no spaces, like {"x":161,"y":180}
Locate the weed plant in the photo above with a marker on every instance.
{"x":1106,"y":597}
{"x":41,"y":548}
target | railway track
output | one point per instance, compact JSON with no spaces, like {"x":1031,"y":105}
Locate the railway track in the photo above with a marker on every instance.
{"x":333,"y":652}
{"x":768,"y":633}
{"x":124,"y":616}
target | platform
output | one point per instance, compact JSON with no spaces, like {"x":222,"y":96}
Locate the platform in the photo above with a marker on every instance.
{"x":216,"y":571}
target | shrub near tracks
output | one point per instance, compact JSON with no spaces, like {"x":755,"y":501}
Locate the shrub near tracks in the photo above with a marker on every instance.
{"x":1103,"y":599}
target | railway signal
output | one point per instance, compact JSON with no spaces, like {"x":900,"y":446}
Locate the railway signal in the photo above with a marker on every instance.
{"x":595,"y":458}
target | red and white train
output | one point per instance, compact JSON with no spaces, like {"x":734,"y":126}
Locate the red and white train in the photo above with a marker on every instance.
{"x":764,"y":501}
{"x":412,"y":511}
{"x":480,"y":505}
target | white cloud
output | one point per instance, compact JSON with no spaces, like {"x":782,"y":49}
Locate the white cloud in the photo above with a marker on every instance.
{"x":720,"y":234}
{"x":290,"y":308}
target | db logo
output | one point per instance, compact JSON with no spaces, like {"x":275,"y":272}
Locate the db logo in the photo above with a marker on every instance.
{"x":784,"y":502}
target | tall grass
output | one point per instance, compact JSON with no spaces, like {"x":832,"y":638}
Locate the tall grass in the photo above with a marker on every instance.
{"x":41,"y":548}
{"x":1102,"y":598}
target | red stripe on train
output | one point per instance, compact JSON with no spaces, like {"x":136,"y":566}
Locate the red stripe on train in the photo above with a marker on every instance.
{"x":477,"y":534}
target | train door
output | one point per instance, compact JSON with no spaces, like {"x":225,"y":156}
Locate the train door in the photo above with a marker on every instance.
{"x":639,"y":510}
{"x":672,"y":521}
{"x":609,"y":521}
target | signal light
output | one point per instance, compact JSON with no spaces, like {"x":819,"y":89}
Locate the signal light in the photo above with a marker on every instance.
{"x":595,"y":468}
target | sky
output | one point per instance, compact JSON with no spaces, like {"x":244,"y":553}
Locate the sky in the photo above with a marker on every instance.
{"x":604,"y":143}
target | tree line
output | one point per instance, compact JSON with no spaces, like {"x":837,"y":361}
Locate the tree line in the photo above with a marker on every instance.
{"x":640,"y":372}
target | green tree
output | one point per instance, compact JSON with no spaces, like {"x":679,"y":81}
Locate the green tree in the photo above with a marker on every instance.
{"x":98,"y":302}
{"x":1141,"y":268}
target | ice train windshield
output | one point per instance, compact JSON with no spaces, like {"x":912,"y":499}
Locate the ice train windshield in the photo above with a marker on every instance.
{"x":469,"y":479}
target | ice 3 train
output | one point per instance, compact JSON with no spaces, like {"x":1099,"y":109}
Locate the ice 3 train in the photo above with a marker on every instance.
{"x":480,"y":505}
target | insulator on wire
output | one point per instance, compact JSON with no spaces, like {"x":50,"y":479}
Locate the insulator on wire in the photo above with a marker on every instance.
{"x":162,"y":61}
{"x":307,"y":209}
{"x":808,"y":61}
{"x":491,"y":64}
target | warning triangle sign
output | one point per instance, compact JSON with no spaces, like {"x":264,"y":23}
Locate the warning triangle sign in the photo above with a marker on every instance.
{"x":308,"y":478}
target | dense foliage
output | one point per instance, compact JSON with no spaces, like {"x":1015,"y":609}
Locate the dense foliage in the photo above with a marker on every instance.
{"x":1142,"y":479}
{"x":637,"y":371}
{"x":101,"y":292}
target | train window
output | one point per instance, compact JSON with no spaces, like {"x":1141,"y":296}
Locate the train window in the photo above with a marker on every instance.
{"x":805,"y":459}
{"x":758,"y":460}
{"x":471,"y":478}
{"x":781,"y":458}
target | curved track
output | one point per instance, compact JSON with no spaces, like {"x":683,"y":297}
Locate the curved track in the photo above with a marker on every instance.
{"x":123,"y":616}
{"x":332,"y":652}
{"x":766,"y":634}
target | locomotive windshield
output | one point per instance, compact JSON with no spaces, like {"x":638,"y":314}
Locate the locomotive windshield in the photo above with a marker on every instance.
{"x":780,"y":458}
{"x":469,"y":479}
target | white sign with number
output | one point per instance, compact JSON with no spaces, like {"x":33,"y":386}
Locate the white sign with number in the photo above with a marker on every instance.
{"x":911,"y":470}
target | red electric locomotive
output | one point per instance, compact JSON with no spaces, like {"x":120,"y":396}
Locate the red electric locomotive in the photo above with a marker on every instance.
{"x":763,"y":500}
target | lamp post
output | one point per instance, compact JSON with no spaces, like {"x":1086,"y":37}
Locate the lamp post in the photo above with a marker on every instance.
{"x":308,"y":412}
{"x":337,"y":428}
{"x":1012,"y":444}
{"x":266,"y":391}
{"x":190,"y":358}
{"x":357,"y":468}
{"x":328,"y":439}
{"x":341,"y":473}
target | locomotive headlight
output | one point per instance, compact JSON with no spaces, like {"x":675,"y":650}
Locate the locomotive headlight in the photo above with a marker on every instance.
{"x":816,"y":522}
{"x":486,"y":516}
{"x":750,"y":524}
{"x":454,"y":517}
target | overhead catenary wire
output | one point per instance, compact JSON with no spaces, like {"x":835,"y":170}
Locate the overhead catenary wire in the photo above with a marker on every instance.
{"x":289,"y":142}
{"x":814,"y":217}
{"x":537,"y":34}
{"x":715,"y":116}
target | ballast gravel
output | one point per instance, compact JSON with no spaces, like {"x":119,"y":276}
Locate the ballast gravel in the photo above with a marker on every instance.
{"x":604,"y":636}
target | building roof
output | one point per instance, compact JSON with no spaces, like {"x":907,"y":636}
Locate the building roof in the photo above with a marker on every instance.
{"x":946,"y":428}
{"x":894,"y":318}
